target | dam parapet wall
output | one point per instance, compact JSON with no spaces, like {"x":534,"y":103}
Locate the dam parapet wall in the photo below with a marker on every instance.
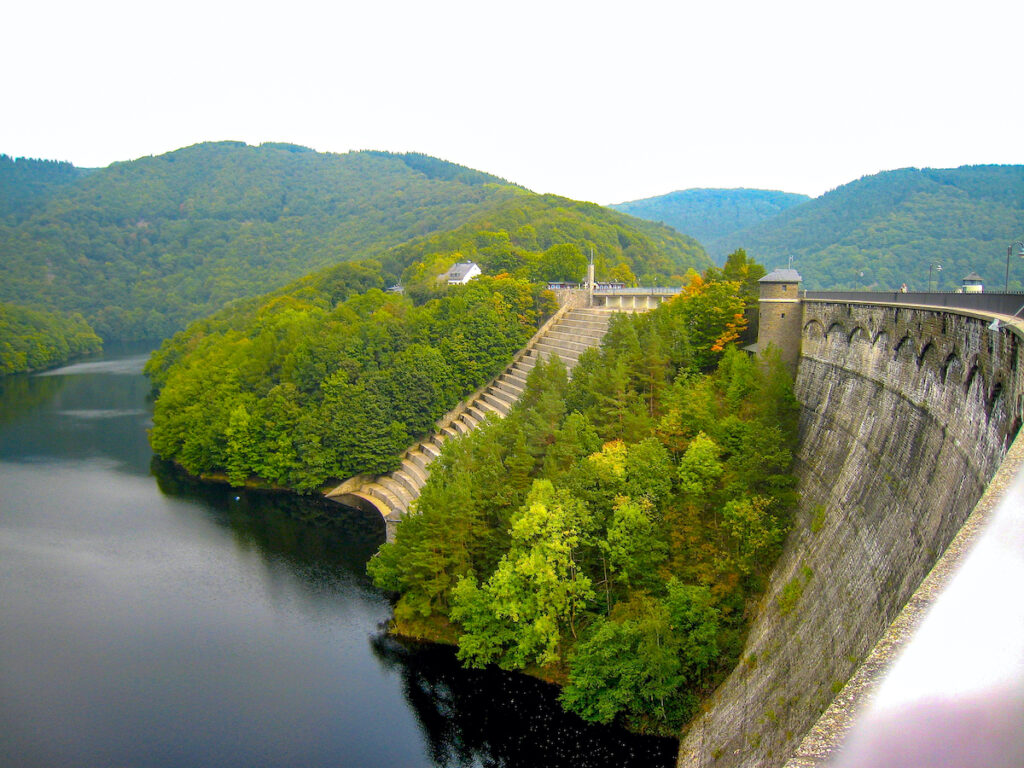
{"x":906,"y":414}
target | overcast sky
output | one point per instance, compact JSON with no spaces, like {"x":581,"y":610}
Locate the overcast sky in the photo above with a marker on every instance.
{"x":593,"y":100}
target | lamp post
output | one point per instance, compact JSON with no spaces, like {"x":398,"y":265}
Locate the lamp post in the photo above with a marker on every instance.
{"x":938,"y":268}
{"x":1019,"y":246}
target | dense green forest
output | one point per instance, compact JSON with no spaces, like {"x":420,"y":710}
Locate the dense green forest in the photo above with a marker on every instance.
{"x":711,"y":214}
{"x":32,"y":340}
{"x":26,"y":184}
{"x":885,"y":230}
{"x":331,"y":378}
{"x":141,"y":248}
{"x":612,"y":531}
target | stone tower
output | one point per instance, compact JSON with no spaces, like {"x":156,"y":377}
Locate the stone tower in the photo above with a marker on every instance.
{"x":779,"y":315}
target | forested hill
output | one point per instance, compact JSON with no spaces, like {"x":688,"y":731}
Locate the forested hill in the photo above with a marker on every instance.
{"x":142,"y":247}
{"x":26,"y":184}
{"x":885,"y":230}
{"x":710,"y":214}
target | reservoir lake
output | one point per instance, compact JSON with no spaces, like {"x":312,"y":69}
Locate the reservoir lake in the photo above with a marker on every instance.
{"x":148,"y":619}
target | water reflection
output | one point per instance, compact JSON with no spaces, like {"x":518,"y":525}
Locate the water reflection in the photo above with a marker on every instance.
{"x":493,"y":718}
{"x":310,"y":534}
{"x":21,"y":394}
{"x":80,"y":412}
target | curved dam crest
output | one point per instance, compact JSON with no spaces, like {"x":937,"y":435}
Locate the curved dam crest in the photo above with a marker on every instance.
{"x":906,"y":414}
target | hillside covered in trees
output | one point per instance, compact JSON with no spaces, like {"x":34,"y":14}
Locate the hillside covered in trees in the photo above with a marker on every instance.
{"x":141,"y":248}
{"x":612,"y":531}
{"x":712,"y":214}
{"x":331,"y":377}
{"x":32,"y":340}
{"x":885,"y":230}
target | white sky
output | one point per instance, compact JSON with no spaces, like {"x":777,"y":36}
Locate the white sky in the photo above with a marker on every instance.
{"x":593,"y":100}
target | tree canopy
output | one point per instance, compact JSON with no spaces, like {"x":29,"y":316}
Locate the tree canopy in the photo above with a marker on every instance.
{"x":31,"y":340}
{"x":331,"y":378}
{"x":612,"y":530}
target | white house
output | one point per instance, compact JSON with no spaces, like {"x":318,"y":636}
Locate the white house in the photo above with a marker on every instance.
{"x":461,"y":273}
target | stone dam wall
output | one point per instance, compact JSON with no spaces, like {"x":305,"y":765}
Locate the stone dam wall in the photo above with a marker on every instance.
{"x":907,"y":413}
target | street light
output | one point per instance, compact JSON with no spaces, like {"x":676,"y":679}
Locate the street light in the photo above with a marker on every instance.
{"x":938,"y":268}
{"x":1019,"y":246}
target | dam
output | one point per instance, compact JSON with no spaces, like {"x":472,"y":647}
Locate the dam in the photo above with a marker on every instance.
{"x":908,"y":414}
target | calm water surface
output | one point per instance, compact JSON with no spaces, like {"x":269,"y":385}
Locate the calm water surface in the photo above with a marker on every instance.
{"x":149,"y":620}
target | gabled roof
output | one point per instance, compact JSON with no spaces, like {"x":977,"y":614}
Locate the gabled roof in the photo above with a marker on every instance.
{"x":460,"y":270}
{"x":974,"y":276}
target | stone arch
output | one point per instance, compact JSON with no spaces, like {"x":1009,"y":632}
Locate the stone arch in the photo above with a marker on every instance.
{"x":975,"y":372}
{"x":814,"y":329}
{"x":994,"y":396}
{"x":904,"y":348}
{"x":362,"y":501}
{"x":929,"y":356}
{"x":952,"y":365}
{"x":880,"y":338}
{"x":835,"y":329}
{"x":858,"y":333}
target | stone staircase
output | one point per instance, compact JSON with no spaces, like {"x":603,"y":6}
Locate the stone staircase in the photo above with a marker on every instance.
{"x":566,"y":335}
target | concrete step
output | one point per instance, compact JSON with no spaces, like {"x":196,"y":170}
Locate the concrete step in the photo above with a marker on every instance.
{"x":500,"y":405}
{"x":398,"y":490}
{"x":483,"y":405}
{"x":507,"y":391}
{"x":433,"y":450}
{"x":560,"y":346}
{"x":572,"y":337}
{"x":515,"y":377}
{"x":523,"y":371}
{"x":408,"y":481}
{"x":512,"y":383}
{"x":478,"y":412}
{"x":568,"y":358}
{"x":585,"y":322}
{"x":468,"y":419}
{"x":447,"y":432}
{"x":415,"y":464}
{"x":383,"y":494}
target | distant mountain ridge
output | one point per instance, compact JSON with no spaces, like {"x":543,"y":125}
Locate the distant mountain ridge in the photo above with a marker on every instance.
{"x":711,"y":214}
{"x":886,"y":229}
{"x":141,"y":248}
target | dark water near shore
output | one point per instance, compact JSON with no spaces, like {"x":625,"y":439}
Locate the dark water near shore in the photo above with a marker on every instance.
{"x":150,"y":620}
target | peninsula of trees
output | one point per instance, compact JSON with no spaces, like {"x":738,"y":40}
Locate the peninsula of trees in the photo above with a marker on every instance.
{"x":612,"y":532}
{"x":33,"y":340}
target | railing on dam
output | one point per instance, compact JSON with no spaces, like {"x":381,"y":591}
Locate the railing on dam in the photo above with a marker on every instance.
{"x":999,"y":303}
{"x":653,"y":291}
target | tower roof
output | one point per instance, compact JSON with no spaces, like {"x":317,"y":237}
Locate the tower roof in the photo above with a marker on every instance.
{"x":781,"y":276}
